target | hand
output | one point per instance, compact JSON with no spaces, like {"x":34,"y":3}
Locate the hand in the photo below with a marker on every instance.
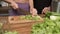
{"x":45,"y":9}
{"x":14,"y":5}
{"x":33,"y":12}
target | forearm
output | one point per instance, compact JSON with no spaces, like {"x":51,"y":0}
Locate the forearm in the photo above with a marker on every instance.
{"x":31,"y":4}
{"x":9,"y":1}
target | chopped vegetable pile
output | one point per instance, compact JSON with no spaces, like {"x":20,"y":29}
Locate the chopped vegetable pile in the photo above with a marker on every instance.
{"x":11,"y":32}
{"x":29,"y":17}
{"x":49,"y":26}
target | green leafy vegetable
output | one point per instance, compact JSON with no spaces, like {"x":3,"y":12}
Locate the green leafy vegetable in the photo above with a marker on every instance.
{"x":49,"y":26}
{"x":29,"y":17}
{"x":11,"y":32}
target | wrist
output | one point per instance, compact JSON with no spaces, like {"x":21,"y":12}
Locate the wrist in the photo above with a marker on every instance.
{"x":47,"y":8}
{"x":9,"y":1}
{"x":32,"y":8}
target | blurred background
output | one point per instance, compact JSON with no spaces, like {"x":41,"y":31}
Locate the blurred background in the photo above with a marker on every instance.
{"x":56,"y":5}
{"x":4,"y":7}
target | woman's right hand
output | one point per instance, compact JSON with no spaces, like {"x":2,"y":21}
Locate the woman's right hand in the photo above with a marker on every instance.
{"x":33,"y":11}
{"x":14,"y":5}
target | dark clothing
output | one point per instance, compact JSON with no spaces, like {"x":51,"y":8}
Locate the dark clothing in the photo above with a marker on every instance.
{"x":40,"y":4}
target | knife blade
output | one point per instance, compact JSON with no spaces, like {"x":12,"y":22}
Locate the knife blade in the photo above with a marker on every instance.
{"x":19,"y":10}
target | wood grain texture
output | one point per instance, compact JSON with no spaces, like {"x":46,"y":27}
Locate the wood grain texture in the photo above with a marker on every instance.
{"x":21,"y":26}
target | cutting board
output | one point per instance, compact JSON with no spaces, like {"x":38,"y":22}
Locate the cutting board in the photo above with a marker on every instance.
{"x":22,"y":26}
{"x":17,"y":19}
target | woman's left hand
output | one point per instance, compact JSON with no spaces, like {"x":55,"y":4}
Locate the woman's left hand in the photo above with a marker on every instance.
{"x":45,"y":9}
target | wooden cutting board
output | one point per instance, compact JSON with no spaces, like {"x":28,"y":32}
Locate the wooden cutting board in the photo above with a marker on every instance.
{"x":22,"y":26}
{"x":16,"y":19}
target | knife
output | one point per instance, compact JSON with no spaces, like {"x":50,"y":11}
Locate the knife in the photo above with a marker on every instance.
{"x":24,"y":12}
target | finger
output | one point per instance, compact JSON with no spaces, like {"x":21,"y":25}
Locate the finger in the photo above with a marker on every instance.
{"x":42,"y":11}
{"x":15,"y":7}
